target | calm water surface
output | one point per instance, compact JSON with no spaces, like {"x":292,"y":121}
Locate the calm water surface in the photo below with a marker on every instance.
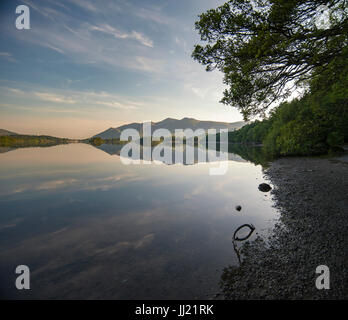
{"x":89,"y":226}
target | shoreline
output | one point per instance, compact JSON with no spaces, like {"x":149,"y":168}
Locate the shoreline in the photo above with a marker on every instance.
{"x":311,"y":196}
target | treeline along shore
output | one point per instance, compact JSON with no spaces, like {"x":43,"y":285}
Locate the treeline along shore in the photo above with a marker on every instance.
{"x":20,"y":141}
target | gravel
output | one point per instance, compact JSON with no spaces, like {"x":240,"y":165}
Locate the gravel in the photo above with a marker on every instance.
{"x":312,"y":197}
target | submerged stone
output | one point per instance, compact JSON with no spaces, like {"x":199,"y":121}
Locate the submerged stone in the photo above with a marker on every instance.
{"x":264,"y":187}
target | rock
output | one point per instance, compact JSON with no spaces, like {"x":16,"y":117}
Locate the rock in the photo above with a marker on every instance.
{"x":264,"y":187}
{"x":238,"y":208}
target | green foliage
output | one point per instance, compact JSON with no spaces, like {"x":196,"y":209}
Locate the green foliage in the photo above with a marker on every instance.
{"x":265,"y":47}
{"x":30,"y":141}
{"x":311,"y":125}
{"x":252,"y":133}
{"x":96,"y":141}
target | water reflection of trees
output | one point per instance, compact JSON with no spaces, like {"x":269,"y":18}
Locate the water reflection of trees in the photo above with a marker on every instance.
{"x":254,"y":154}
{"x":236,"y":152}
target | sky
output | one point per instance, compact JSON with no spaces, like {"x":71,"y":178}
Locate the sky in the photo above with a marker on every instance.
{"x":85,"y":66}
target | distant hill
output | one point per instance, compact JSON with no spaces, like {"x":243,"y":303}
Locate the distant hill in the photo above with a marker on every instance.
{"x":4,"y":132}
{"x":171,"y":125}
{"x":12,"y":140}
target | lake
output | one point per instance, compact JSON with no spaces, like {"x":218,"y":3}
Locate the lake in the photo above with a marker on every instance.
{"x":90,"y":227}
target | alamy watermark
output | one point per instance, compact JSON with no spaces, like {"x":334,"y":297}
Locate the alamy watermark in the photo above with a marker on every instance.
{"x":323,"y":280}
{"x":23,"y":280}
{"x":178,"y":148}
{"x":23,"y":20}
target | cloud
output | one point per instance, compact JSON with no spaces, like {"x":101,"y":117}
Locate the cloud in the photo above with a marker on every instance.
{"x":51,"y":97}
{"x":124,"y":40}
{"x":83,"y":46}
{"x":71,"y":97}
{"x":7,"y":56}
{"x":116,"y":105}
{"x":14,"y":90}
{"x":87,"y":5}
{"x":198,"y":91}
{"x":148,"y":64}
{"x":107,"y":29}
{"x":47,"y":12}
{"x":154,"y":14}
{"x":181,"y":43}
{"x":79,"y":38}
{"x":207,"y":92}
{"x":55,"y":49}
{"x":142,"y":39}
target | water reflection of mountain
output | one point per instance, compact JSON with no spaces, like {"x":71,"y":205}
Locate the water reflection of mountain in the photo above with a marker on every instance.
{"x":236,"y":152}
{"x":178,"y":155}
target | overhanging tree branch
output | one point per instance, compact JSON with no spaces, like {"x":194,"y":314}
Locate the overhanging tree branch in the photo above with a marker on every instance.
{"x":261,"y":46}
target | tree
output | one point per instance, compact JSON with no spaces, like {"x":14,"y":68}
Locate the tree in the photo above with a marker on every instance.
{"x":266,"y":48}
{"x":97,"y":141}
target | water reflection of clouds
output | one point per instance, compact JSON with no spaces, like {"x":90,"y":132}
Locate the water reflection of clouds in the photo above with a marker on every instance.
{"x":55,"y":184}
{"x":75,"y":184}
{"x":195,"y":192}
{"x":128,"y":245}
{"x":163,"y":227}
{"x":107,"y":183}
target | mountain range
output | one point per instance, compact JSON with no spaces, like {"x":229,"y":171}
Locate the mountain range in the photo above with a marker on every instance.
{"x":171,"y":124}
{"x":4,"y":132}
